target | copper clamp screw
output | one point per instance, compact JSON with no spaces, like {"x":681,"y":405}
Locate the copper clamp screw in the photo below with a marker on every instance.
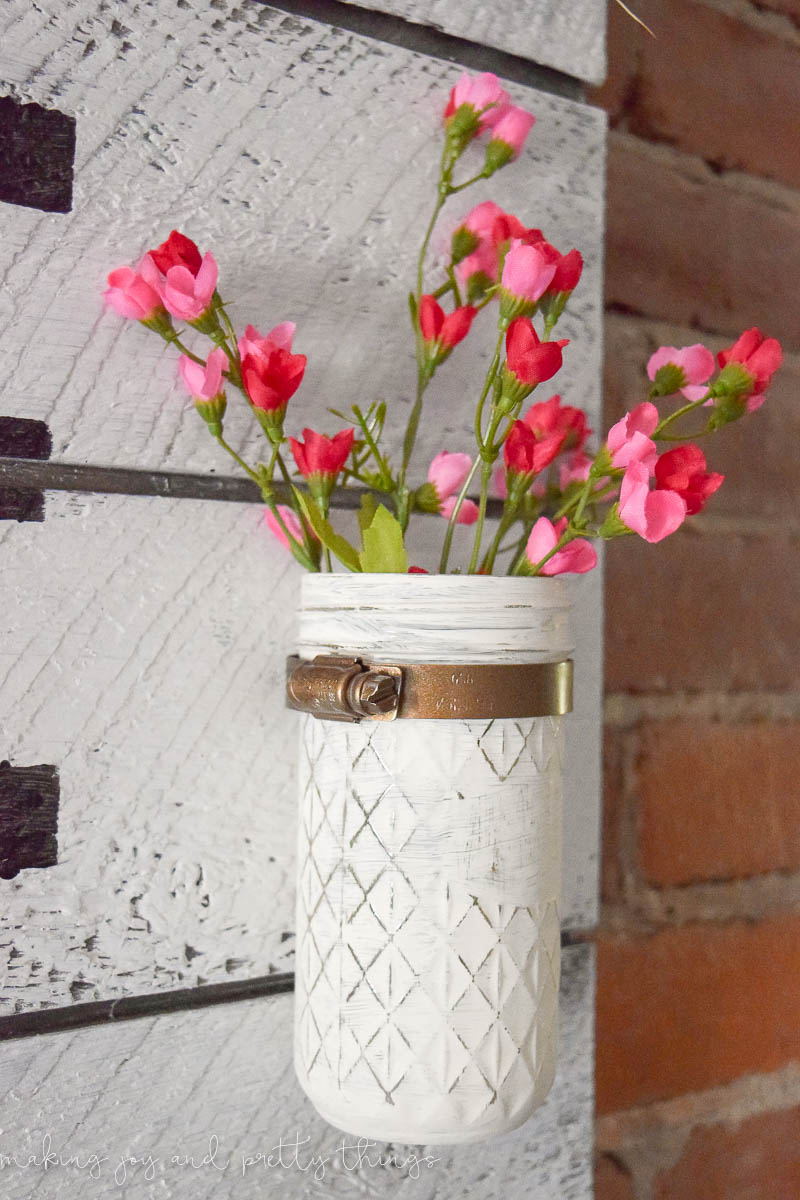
{"x":337,"y":688}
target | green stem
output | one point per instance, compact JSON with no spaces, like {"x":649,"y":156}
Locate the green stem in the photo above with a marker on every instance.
{"x":486,"y":474}
{"x":173,"y":340}
{"x":451,"y":524}
{"x":459,"y":187}
{"x":383,"y":466}
{"x":679,"y":412}
{"x":235,"y":456}
{"x":494,"y":366}
{"x":454,"y":285}
{"x":505,"y":523}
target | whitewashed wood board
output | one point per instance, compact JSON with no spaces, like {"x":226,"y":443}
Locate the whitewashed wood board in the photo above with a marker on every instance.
{"x":567,"y":34}
{"x":305,"y":157}
{"x":143,"y":655}
{"x":164,"y":1086}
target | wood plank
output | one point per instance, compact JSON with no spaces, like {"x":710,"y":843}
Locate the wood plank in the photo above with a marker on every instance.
{"x":570,"y":37}
{"x":142,"y":658}
{"x":164,"y":1086}
{"x":305,"y":156}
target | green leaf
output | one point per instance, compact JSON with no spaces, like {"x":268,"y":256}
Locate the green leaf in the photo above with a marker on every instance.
{"x":383,"y":551}
{"x":367,"y":513}
{"x":338,"y":545}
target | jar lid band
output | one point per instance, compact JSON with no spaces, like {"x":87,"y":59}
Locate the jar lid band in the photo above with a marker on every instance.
{"x":345,"y":688}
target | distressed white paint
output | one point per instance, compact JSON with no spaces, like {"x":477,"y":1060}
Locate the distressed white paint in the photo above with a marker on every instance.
{"x":429,"y":871}
{"x":143,"y":655}
{"x":306,"y":158}
{"x":567,"y":34}
{"x":165,"y":1085}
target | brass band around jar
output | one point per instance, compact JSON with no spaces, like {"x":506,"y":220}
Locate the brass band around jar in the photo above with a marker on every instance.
{"x":341,"y":688}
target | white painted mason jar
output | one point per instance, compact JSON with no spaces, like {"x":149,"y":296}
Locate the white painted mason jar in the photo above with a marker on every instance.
{"x":429,"y":870}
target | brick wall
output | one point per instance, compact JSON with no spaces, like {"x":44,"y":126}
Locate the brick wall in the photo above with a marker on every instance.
{"x":698,"y":1076}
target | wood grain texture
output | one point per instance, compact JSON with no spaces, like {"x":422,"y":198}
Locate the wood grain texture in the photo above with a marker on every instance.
{"x":305,"y":156}
{"x":164,"y":1086}
{"x":143,"y":652}
{"x":569,"y":36}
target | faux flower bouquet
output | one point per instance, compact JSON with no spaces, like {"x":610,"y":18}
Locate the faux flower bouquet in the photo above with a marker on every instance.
{"x":646,"y":478}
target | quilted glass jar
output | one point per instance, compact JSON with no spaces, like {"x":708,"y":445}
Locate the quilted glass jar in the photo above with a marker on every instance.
{"x":429,"y":870}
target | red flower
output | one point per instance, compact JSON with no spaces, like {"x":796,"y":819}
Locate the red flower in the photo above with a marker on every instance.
{"x":530,"y":360}
{"x":270,"y":380}
{"x":568,"y":267}
{"x":320,"y":458}
{"x":759,"y":356}
{"x":683,"y":470}
{"x":519,"y":450}
{"x":442,"y":332}
{"x":177,"y":251}
{"x":552,"y":417}
{"x":507,"y":226}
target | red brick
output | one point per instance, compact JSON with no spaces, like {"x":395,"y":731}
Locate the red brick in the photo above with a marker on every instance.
{"x":695,"y":1007}
{"x":718,"y":800}
{"x":687,"y":246}
{"x":702,"y":613}
{"x":757,"y":455}
{"x":757,"y":1160}
{"x":708,"y":84}
{"x":611,"y":866}
{"x":611,"y":1181}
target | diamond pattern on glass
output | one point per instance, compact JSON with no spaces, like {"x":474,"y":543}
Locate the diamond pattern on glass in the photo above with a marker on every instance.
{"x":421,"y":982}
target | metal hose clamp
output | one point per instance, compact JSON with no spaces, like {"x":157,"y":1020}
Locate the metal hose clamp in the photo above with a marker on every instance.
{"x":344,"y":688}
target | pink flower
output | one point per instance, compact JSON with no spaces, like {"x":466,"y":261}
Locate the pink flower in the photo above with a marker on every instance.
{"x":526,"y":277}
{"x":652,"y":514}
{"x":695,"y":362}
{"x":481,"y":99}
{"x":683,"y":470}
{"x":134,"y":293}
{"x":577,"y":557}
{"x":320,"y":458}
{"x":446,"y":476}
{"x":552,"y":417}
{"x":760,"y":357}
{"x":481,"y":219}
{"x":204,"y":381}
{"x":279,"y":338}
{"x":574,"y":469}
{"x":478,"y":271}
{"x":188,"y":297}
{"x":530,"y":361}
{"x":508,"y":134}
{"x":629,"y":440}
{"x":177,"y":251}
{"x":442,"y":332}
{"x":290,"y":521}
{"x":447,"y":473}
{"x":467,"y":514}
